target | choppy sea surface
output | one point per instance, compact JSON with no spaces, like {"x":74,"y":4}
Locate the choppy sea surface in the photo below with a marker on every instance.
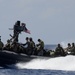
{"x":49,"y":66}
{"x":34,"y":72}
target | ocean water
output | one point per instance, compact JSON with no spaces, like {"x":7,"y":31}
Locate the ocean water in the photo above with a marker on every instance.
{"x":34,"y":72}
{"x":43,"y":66}
{"x":50,"y":47}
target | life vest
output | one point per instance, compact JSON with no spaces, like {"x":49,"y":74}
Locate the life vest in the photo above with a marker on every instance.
{"x":32,"y":44}
{"x":41,"y":44}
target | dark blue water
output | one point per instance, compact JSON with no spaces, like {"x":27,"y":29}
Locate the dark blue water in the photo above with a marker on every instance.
{"x":50,"y":47}
{"x":35,"y":71}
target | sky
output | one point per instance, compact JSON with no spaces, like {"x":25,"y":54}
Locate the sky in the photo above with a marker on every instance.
{"x":53,"y":21}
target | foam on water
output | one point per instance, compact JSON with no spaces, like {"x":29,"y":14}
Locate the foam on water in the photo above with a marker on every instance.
{"x":59,"y":63}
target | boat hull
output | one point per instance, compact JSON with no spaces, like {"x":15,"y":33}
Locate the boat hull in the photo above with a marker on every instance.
{"x":8,"y":58}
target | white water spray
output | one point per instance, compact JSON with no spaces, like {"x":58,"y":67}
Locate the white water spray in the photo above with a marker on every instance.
{"x":59,"y":63}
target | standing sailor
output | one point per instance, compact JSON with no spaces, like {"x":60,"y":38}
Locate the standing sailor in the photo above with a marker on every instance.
{"x":16,"y":31}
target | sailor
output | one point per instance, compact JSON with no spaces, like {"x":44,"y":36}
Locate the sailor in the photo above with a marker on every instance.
{"x":18,"y":28}
{"x":27,"y":42}
{"x":1,"y":44}
{"x":16,"y":31}
{"x":40,"y":47}
{"x":31,"y":45}
{"x":73,"y":49}
{"x":27,"y":45}
{"x":68,"y":49}
{"x":59,"y":51}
